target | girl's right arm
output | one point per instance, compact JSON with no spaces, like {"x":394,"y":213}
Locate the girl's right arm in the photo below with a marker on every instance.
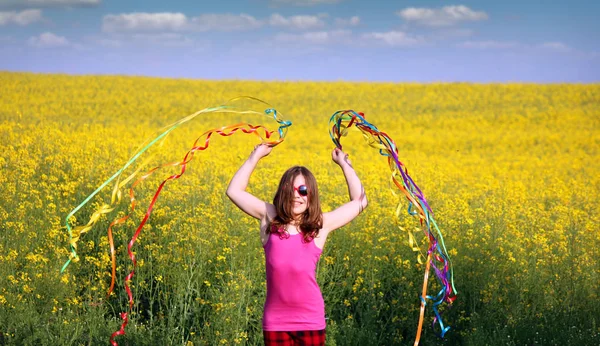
{"x":236,"y":191}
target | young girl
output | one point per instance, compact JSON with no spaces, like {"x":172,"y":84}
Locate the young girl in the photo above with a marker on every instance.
{"x":293,"y":231}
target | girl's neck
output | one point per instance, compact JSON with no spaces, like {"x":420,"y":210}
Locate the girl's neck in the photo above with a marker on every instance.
{"x":293,"y":227}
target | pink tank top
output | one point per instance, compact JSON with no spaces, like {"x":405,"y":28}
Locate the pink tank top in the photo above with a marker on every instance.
{"x":294,"y":301}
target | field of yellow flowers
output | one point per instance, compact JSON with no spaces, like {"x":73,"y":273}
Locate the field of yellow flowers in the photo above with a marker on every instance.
{"x":510,"y":170}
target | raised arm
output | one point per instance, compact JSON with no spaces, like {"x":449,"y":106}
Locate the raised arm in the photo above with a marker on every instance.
{"x":358,"y":200}
{"x":236,"y":191}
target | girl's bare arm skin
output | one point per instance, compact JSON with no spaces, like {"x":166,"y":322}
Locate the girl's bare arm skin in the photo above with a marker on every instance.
{"x":248,"y":203}
{"x":347,"y":212}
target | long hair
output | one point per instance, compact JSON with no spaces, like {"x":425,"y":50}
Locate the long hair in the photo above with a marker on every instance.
{"x":311,"y":221}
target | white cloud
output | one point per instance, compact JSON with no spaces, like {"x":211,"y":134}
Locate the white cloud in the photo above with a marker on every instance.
{"x":141,"y":21}
{"x":346,"y":37}
{"x":556,"y":46}
{"x":547,"y":46}
{"x":297,"y":22}
{"x":154,"y":40}
{"x":352,"y":21}
{"x":20,"y":18}
{"x":304,"y":2}
{"x":489,"y":44}
{"x":225,"y":22}
{"x":48,"y":40}
{"x":445,"y":16}
{"x":164,"y":39}
{"x":49,"y":3}
{"x":170,"y":21}
{"x":316,"y":37}
{"x":452,"y":33}
{"x":393,"y":38}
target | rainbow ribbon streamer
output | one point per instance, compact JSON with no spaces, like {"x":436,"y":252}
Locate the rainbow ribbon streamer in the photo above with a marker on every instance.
{"x":201,"y":143}
{"x":437,"y":255}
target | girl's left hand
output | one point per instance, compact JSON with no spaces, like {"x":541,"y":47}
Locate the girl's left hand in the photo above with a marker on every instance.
{"x":339,"y":157}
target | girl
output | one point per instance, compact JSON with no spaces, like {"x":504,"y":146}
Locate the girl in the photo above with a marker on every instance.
{"x":293,"y":231}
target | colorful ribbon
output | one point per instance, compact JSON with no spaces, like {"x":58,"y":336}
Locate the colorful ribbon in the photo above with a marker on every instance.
{"x":437,"y":255}
{"x":74,"y":235}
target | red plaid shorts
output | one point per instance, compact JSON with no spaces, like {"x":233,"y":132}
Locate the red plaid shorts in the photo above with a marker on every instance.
{"x":295,"y":338}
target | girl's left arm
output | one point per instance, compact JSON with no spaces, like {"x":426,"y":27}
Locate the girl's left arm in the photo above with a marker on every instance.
{"x":358,"y":199}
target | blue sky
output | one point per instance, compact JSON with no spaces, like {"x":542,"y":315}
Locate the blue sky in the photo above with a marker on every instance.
{"x":399,"y":41}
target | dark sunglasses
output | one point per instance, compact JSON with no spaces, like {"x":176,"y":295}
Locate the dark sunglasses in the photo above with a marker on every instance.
{"x":302,"y":190}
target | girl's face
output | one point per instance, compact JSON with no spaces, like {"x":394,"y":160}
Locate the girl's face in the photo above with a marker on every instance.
{"x":299,"y":202}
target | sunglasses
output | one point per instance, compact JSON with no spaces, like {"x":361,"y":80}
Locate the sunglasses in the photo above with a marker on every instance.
{"x":302,"y":190}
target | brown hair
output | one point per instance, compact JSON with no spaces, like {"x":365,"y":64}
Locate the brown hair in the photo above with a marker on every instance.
{"x":311,"y":221}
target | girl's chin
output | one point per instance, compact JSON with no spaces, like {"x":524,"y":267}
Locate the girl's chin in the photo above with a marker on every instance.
{"x":298,"y":213}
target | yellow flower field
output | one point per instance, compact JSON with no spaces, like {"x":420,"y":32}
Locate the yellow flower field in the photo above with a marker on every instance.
{"x":511,"y":172}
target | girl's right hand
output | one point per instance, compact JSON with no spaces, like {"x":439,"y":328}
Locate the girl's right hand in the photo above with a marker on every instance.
{"x":261,"y":150}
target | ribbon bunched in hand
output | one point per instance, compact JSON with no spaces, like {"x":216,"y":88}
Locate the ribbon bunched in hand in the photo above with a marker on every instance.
{"x":437,"y":255}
